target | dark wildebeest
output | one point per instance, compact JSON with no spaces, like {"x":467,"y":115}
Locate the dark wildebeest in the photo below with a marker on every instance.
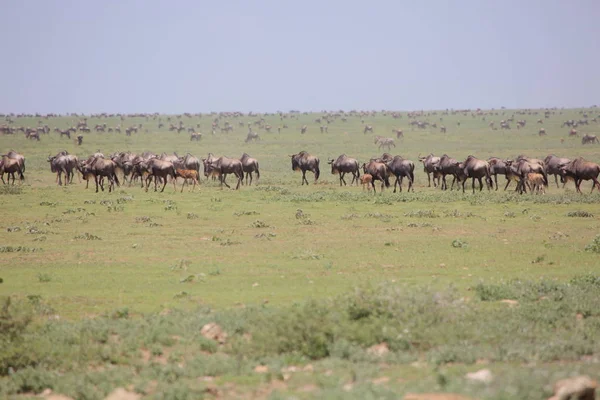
{"x":442,"y":129}
{"x":195,"y":136}
{"x":379,"y":171}
{"x":498,"y":167}
{"x":249,"y":166}
{"x":79,"y":140}
{"x":429,"y":164}
{"x":586,"y":139}
{"x":99,"y":168}
{"x":553,"y":164}
{"x":224,"y":166}
{"x":401,"y":168}
{"x":208,"y":170}
{"x":477,"y":169}
{"x":63,"y":163}
{"x":581,"y":170}
{"x":542,"y":132}
{"x":303,"y":129}
{"x":344,"y":165}
{"x":161,"y":169}
{"x":305,"y":162}
{"x":446,"y":166}
{"x":252,"y":136}
{"x":34,"y":135}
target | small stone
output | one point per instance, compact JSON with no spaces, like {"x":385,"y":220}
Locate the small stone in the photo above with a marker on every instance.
{"x":380,"y":349}
{"x":122,"y":394}
{"x":483,"y":376}
{"x":213,"y":331}
{"x":261,"y":369}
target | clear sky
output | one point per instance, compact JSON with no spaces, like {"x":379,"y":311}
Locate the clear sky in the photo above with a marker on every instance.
{"x":199,"y":56}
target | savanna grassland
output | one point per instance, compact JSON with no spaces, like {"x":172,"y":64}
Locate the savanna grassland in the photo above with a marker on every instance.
{"x":105,"y":290}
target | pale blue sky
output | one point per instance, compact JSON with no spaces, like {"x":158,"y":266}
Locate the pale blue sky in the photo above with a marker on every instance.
{"x":199,"y":56}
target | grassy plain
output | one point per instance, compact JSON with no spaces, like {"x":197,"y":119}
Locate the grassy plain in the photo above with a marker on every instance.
{"x":277,"y":245}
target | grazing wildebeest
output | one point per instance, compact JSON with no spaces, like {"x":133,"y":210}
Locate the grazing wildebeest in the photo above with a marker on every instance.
{"x":195,"y":136}
{"x":344,"y":165}
{"x":573,"y":132}
{"x":536,"y":182}
{"x":477,"y":169}
{"x":249,"y":166}
{"x":224,"y":166}
{"x":79,"y":140}
{"x":368,"y":128}
{"x":305,"y":162}
{"x":429,"y":163}
{"x":542,"y":132}
{"x":581,"y":170}
{"x":401,"y":168}
{"x":187,"y":174}
{"x":66,"y":132}
{"x":252,"y":136}
{"x":384,"y":142}
{"x":9,"y":166}
{"x":34,"y":135}
{"x":303,"y":129}
{"x":379,"y":171}
{"x":586,"y":139}
{"x":553,"y":164}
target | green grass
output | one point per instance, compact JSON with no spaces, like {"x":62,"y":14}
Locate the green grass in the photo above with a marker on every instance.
{"x":130,"y":255}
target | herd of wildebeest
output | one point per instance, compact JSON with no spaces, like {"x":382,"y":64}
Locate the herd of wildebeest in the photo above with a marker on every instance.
{"x":527,"y":173}
{"x":143,"y":169}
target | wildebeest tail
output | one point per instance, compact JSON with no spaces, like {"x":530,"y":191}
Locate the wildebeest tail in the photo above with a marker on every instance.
{"x":386,"y":180}
{"x":257,"y":172}
{"x":317,"y":172}
{"x":545,"y":177}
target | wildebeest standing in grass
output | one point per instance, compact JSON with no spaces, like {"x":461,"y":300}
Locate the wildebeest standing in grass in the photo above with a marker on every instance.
{"x":525,"y":166}
{"x":63,"y":163}
{"x":384,"y":142}
{"x":305,"y":162}
{"x":580,"y":170}
{"x":188,"y":162}
{"x":401,"y":168}
{"x":429,"y":163}
{"x":225,"y":166}
{"x":345,"y":165}
{"x":9,"y":166}
{"x":477,"y":169}
{"x":379,"y":171}
{"x":586,"y":139}
{"x":498,"y":167}
{"x":99,"y":168}
{"x":368,"y":128}
{"x":553,"y":164}
{"x":208,"y":169}
{"x":249,"y":166}
{"x":446,"y":166}
{"x":161,"y":169}
{"x":252,"y":136}
{"x":195,"y":136}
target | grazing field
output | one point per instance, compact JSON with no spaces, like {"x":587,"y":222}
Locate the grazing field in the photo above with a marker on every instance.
{"x":304,"y":279}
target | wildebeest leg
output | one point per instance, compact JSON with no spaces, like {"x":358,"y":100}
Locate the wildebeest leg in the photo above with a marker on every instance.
{"x":463,"y":185}
{"x":304,"y":177}
{"x":481,"y":184}
{"x":240,"y":177}
{"x":428,"y":180}
{"x":556,"y":180}
{"x":594,"y":183}
{"x":507,"y":183}
{"x":496,"y":180}
{"x":373,"y":185}
{"x":96,"y":181}
{"x":396,"y":183}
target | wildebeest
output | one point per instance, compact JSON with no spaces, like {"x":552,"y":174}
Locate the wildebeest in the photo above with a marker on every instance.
{"x":63,"y":163}
{"x":477,"y":169}
{"x":542,"y":132}
{"x":79,"y":140}
{"x":536,"y":182}
{"x":224,"y":166}
{"x":34,"y":135}
{"x":368,"y":128}
{"x":447,"y":166}
{"x":586,"y":139}
{"x":187,"y":162}
{"x":366,"y":180}
{"x":344,"y":165}
{"x":9,"y":166}
{"x":252,"y":136}
{"x":402,"y":168}
{"x":160,"y":169}
{"x":195,"y":136}
{"x":187,"y":174}
{"x":66,"y":132}
{"x":523,"y":166}
{"x":498,"y":167}
{"x":305,"y":162}
{"x":399,"y":133}
{"x":429,"y":163}
{"x":384,"y":142}
{"x":553,"y":164}
{"x":379,"y":171}
{"x":99,"y":167}
{"x":581,"y":170}
{"x":208,"y":170}
{"x":573,"y":132}
{"x":442,"y":129}
{"x":303,"y":129}
{"x":249,"y":166}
